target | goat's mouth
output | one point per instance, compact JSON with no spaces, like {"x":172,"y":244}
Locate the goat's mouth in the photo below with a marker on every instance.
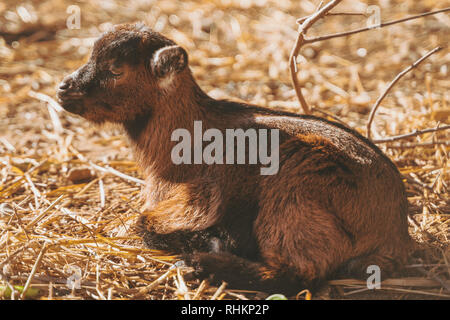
{"x":71,"y":100}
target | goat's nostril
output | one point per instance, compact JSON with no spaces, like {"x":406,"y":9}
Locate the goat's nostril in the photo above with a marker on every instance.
{"x":67,"y":90}
{"x":64,"y":85}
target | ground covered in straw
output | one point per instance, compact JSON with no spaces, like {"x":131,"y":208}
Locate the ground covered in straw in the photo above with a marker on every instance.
{"x":69,"y":191}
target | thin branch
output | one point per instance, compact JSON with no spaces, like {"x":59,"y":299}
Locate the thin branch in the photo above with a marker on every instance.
{"x":303,"y":29}
{"x":389,"y":87}
{"x":411,"y":134}
{"x":381,"y":25}
{"x":321,"y":12}
{"x":416,"y":145}
{"x":301,"y":20}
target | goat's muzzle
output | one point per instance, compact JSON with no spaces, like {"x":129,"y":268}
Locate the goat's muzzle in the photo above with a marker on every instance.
{"x":69,"y":96}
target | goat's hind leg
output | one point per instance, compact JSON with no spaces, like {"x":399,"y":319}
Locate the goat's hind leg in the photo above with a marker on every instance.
{"x":241,"y":273}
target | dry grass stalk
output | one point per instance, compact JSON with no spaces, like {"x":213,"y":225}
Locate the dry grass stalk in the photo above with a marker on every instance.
{"x":218,"y":293}
{"x":200,"y":290}
{"x":33,"y":270}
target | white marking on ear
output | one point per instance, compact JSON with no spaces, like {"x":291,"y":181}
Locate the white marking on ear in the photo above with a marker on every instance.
{"x":158,"y":52}
{"x":166,"y":82}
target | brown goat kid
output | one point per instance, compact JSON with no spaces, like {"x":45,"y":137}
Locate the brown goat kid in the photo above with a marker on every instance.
{"x":336,"y":203}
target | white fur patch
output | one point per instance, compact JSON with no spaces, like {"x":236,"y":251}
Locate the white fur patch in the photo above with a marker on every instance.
{"x":158,"y":52}
{"x":165,"y":82}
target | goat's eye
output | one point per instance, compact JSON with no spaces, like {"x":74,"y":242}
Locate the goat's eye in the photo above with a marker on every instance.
{"x":115,"y":71}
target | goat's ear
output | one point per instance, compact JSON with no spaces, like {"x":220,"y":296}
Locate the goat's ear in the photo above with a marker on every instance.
{"x":170,"y":59}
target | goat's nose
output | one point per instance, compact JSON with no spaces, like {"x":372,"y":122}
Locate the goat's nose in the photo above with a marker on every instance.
{"x":67,"y":90}
{"x":64,"y":85}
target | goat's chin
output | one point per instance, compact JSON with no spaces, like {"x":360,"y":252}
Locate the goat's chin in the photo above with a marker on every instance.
{"x":73,"y":106}
{"x":84,"y":110}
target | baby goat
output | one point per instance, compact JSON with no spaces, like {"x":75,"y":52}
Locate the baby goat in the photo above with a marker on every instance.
{"x":334,"y":203}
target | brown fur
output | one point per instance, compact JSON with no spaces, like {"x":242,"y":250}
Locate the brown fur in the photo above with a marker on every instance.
{"x":337,"y":204}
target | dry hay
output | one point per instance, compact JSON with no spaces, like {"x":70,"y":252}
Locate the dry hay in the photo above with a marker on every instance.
{"x":69,"y":192}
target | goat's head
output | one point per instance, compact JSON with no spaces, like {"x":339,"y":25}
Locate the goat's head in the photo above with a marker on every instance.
{"x":130,"y":68}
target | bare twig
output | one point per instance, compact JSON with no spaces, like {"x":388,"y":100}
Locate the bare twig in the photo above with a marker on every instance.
{"x":381,"y":25}
{"x":415,"y":145}
{"x":411,"y":134}
{"x":301,"y":20}
{"x":309,"y":21}
{"x":389,"y":87}
{"x":303,"y":29}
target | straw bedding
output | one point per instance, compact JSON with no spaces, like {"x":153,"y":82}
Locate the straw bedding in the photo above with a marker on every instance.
{"x":69,"y":191}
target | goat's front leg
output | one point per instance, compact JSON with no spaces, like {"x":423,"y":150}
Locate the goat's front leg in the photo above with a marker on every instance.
{"x":212,"y":239}
{"x":184,"y":221}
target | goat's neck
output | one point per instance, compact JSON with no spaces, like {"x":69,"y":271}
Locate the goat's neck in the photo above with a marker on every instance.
{"x":150,"y":134}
